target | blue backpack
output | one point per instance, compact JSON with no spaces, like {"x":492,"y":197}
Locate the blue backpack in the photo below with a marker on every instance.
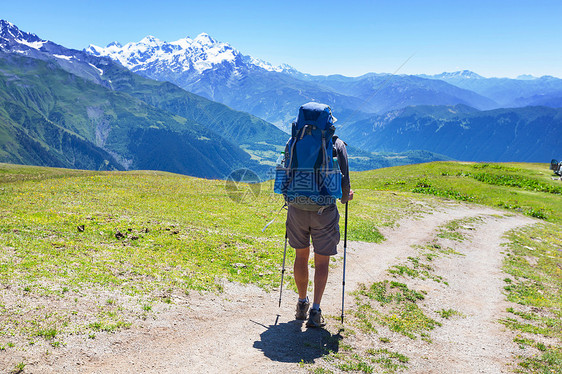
{"x":307,"y":174}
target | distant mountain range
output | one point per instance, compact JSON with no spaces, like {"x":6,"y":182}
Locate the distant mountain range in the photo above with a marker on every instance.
{"x":67,"y":108}
{"x":219,"y":72}
{"x":509,"y":93}
{"x":141,"y":106}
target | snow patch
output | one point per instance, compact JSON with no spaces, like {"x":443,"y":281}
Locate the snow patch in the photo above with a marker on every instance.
{"x":95,"y":67}
{"x":63,"y":57}
{"x":34,"y":45}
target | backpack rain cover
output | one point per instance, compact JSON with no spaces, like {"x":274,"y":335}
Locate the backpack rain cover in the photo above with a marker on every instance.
{"x":308,"y":174}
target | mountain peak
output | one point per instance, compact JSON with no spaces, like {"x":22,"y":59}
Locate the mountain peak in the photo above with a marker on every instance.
{"x":6,"y":24}
{"x":464,"y":74}
{"x":151,"y":40}
{"x":11,"y":35}
{"x":526,"y":77}
{"x":204,"y":39}
{"x":114,"y":44}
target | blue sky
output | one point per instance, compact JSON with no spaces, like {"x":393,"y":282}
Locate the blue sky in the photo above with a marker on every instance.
{"x":491,"y":38}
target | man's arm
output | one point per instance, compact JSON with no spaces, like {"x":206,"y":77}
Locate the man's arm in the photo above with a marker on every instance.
{"x":341,"y":153}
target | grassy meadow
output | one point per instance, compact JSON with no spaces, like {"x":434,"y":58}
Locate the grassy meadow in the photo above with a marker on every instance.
{"x":521,"y":187}
{"x":85,"y":252}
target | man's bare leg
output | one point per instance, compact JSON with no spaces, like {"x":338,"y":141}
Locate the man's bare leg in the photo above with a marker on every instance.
{"x":321,"y":267}
{"x":301,"y":271}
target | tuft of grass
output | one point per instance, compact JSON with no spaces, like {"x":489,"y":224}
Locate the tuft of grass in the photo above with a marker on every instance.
{"x":372,"y":361}
{"x":395,"y":308}
{"x":390,"y":361}
{"x":415,"y":270}
{"x":49,"y":333}
{"x":355,"y":363}
{"x":448,"y":313}
{"x":452,"y":230}
{"x":433,"y":250}
{"x":108,"y":326}
{"x":549,"y":362}
{"x":424,"y":186}
{"x":19,"y":368}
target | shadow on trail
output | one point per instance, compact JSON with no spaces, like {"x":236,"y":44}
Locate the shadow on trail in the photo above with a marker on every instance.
{"x":292,"y":342}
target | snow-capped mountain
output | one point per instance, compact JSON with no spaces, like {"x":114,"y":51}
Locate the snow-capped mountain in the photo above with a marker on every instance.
{"x":219,"y":72}
{"x":11,"y":36}
{"x":191,"y":56}
{"x":66,"y":108}
{"x":462,"y":74}
{"x":13,"y":40}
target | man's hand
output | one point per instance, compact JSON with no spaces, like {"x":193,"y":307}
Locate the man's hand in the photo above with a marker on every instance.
{"x":349,"y":197}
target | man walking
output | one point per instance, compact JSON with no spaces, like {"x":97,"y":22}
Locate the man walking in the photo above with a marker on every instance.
{"x":312,"y":219}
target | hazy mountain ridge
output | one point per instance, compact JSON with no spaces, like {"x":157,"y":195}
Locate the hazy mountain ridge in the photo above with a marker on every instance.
{"x":389,"y":92}
{"x":508,"y":92}
{"x":530,"y":134}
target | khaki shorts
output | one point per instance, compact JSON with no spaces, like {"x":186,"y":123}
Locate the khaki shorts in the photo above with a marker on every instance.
{"x":323,"y":228}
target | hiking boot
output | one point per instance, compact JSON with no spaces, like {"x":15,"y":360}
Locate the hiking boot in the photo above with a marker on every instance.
{"x":315,"y":319}
{"x":302,"y":309}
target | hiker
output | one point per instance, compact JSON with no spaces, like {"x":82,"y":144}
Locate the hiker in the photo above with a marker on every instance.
{"x":311,"y":216}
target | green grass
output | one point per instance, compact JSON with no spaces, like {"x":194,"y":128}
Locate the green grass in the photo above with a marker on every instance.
{"x":534,"y":263}
{"x":74,"y":237}
{"x":178,"y":234}
{"x":521,"y":187}
{"x":392,"y":304}
{"x":389,"y":360}
{"x":448,"y":313}
{"x":372,"y":361}
{"x":416,"y":269}
{"x":19,"y":368}
{"x":452,"y":230}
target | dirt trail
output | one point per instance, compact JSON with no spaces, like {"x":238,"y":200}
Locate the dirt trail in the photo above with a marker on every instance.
{"x":244,"y":331}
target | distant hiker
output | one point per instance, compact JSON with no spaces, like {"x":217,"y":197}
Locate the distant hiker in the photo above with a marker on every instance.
{"x":311,"y":182}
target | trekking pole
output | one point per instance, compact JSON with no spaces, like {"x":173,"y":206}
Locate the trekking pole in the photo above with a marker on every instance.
{"x":344,"y":258}
{"x":283,"y":270}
